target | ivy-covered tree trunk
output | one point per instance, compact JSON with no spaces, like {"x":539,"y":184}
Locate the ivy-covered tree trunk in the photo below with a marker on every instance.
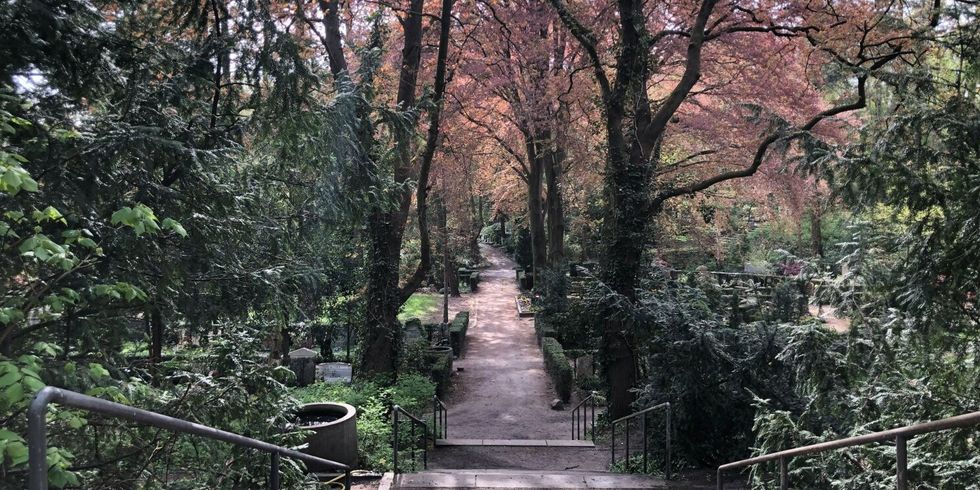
{"x":383,"y":297}
{"x":627,"y":189}
{"x":388,"y":215}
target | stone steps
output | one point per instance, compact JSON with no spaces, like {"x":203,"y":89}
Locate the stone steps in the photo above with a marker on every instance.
{"x":487,"y":479}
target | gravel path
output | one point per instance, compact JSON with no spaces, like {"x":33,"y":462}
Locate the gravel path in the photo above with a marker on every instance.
{"x":503,"y":391}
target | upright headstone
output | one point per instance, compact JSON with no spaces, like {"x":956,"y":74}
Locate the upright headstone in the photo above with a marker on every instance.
{"x":584,"y":367}
{"x":302,"y":362}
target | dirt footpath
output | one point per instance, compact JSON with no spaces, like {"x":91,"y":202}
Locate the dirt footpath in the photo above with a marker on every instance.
{"x":503,"y":391}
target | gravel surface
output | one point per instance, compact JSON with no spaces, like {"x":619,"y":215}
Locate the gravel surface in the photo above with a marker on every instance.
{"x":503,"y":391}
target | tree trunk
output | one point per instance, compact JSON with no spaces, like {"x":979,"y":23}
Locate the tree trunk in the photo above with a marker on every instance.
{"x":556,"y":210}
{"x":156,"y":335}
{"x":535,"y":209}
{"x":502,"y":219}
{"x":816,"y":233}
{"x":381,"y":332}
{"x":476,"y":203}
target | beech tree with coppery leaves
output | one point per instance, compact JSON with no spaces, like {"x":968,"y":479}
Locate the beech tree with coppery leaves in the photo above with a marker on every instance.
{"x":522,"y":95}
{"x":667,"y":56}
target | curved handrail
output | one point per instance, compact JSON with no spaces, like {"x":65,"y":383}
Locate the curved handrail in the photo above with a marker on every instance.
{"x":642,"y":412}
{"x":37,"y":445}
{"x":667,"y":436}
{"x":395,"y":410}
{"x":900,"y":435}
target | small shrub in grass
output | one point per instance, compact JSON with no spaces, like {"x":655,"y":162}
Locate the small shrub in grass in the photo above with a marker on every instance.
{"x":413,"y":392}
{"x":413,"y":358}
{"x":557,"y":366}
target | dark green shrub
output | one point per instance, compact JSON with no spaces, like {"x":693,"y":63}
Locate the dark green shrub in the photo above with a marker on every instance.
{"x":788,"y":301}
{"x":457,"y":331}
{"x":543,"y":327}
{"x":520,"y":246}
{"x":439,"y":373}
{"x":413,"y":357}
{"x":556,"y":363}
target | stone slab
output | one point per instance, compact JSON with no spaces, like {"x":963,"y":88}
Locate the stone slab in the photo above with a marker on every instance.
{"x":515,"y":442}
{"x":530,"y":481}
{"x":459,"y":442}
{"x":569,"y":443}
{"x":434,"y":480}
{"x":486,"y":479}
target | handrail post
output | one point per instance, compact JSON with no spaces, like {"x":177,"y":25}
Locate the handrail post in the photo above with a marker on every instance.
{"x":669,"y":430}
{"x":394,"y":445}
{"x":274,"y":472}
{"x":414,"y":449}
{"x":574,"y":418}
{"x":425,"y":448}
{"x":783,"y":475}
{"x":435,"y":425}
{"x":613,"y":445}
{"x":593,"y":414}
{"x":901,"y":463}
{"x":644,"y":443}
{"x":37,"y":438}
{"x":627,"y":444}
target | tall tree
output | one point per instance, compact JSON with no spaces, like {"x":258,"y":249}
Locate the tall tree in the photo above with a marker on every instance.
{"x":523,"y":67}
{"x":393,"y":169}
{"x":654,"y":75}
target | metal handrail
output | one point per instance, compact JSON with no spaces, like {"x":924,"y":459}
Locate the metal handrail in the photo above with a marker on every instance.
{"x":37,"y":445}
{"x":413,"y":421}
{"x":901,"y":435}
{"x":440,"y":419}
{"x":643,"y":413}
{"x":581,"y":410}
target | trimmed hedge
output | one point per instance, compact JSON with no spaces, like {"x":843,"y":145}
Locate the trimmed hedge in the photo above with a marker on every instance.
{"x":439,"y":373}
{"x":457,"y":331}
{"x":556,"y":363}
{"x":543,"y":328}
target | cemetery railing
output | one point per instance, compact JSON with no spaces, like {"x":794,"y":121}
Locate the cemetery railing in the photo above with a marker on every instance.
{"x":900,"y":435}
{"x":644,"y":415}
{"x":37,"y":445}
{"x":415,"y":445}
{"x":580,"y":417}
{"x":440,"y":420}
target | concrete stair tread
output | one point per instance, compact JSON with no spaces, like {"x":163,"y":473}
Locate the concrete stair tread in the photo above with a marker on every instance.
{"x":477,"y":479}
{"x":516,"y":442}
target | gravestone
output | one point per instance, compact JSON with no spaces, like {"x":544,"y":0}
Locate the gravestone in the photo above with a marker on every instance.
{"x":302,"y":361}
{"x":584,"y":367}
{"x":334,"y":372}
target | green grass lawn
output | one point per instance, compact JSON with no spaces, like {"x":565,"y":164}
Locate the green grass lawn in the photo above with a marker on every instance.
{"x":419,"y":306}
